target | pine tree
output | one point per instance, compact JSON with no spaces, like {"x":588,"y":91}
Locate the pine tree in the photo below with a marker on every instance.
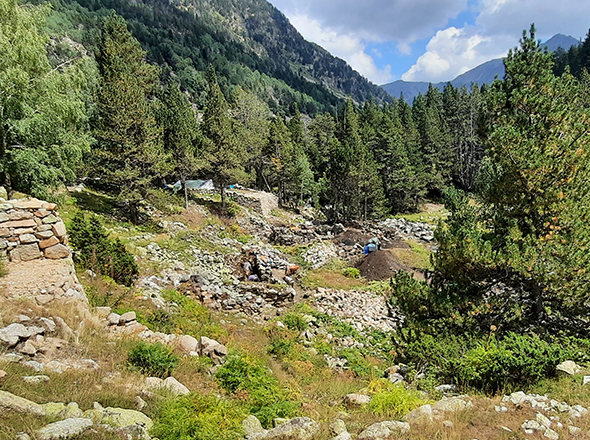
{"x":529,"y":230}
{"x":180,"y":133}
{"x":224,"y":156}
{"x":129,"y":155}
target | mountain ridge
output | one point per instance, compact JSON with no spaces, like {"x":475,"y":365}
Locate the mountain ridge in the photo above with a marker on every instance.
{"x":485,"y":73}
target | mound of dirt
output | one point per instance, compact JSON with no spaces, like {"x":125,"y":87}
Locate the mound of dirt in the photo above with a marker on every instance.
{"x":380,"y":265}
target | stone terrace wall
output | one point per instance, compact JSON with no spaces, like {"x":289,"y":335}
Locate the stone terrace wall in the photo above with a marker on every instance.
{"x":31,"y":229}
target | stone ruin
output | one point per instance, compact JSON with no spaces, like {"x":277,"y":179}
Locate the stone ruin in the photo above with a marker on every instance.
{"x":31,"y":229}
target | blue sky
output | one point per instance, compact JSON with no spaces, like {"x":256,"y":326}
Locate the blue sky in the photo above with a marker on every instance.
{"x":428,"y":40}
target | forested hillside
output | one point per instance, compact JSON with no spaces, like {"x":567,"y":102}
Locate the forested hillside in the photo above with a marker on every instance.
{"x":250,"y":43}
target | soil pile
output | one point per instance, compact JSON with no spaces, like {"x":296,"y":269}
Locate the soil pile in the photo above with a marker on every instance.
{"x":350,"y":237}
{"x":380,"y":265}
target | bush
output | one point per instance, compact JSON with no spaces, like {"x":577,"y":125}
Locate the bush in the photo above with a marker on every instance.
{"x":490,"y":363}
{"x":96,"y":251}
{"x":294,"y":321}
{"x":199,"y":417}
{"x":152,"y":359}
{"x":351,"y":272}
{"x":391,"y":400}
{"x":244,"y":374}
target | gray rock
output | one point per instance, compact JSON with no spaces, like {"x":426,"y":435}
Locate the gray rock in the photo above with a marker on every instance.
{"x":118,"y":417}
{"x":252,"y":427}
{"x":384,"y":430}
{"x":22,"y":436}
{"x":49,"y":324}
{"x":11,"y":358}
{"x":187,"y":344}
{"x":452,"y":404}
{"x":567,"y":368}
{"x":19,"y":404}
{"x":127,"y":317}
{"x":36,"y":379}
{"x":12,"y":333}
{"x":37,"y":366}
{"x":299,"y":428}
{"x":551,"y":434}
{"x":420,"y":414}
{"x":65,"y":330}
{"x":175,"y":386}
{"x":338,"y":427}
{"x":114,"y":319}
{"x":27,"y":347}
{"x":64,"y":429}
{"x":356,"y":399}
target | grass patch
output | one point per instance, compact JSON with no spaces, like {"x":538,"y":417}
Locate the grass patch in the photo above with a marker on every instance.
{"x":430,"y":213}
{"x":418,"y":257}
{"x":332,"y":276}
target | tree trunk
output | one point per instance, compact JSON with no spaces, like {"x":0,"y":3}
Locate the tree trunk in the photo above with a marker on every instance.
{"x":183,"y":183}
{"x":222,"y":191}
{"x":538,"y":307}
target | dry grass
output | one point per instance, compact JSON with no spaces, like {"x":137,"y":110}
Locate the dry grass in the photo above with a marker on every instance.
{"x":332,"y":279}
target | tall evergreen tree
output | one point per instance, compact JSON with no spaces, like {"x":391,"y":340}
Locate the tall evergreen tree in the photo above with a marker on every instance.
{"x":224,"y":156}
{"x":129,"y":155}
{"x":529,"y":230}
{"x":180,"y":133}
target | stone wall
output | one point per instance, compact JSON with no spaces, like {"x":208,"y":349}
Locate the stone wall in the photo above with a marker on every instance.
{"x":31,"y":229}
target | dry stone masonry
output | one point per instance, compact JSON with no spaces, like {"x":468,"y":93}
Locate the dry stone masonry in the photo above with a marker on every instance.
{"x":31,"y":229}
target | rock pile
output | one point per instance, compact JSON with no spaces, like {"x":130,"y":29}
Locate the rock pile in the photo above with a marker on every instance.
{"x":362,"y":310}
{"x":319,"y":254}
{"x":403,"y":228}
{"x":31,"y":229}
{"x":72,"y":421}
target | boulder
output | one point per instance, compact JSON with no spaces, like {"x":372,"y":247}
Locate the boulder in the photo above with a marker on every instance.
{"x":127,"y":317}
{"x":338,"y":427}
{"x":384,"y":430}
{"x":36,"y":379}
{"x":299,"y":428}
{"x":25,"y":252}
{"x":342,"y":436}
{"x":114,"y":319}
{"x":49,"y":324}
{"x":56,"y":252}
{"x":567,"y":368}
{"x":118,"y":417}
{"x":252,"y":427}
{"x":187,"y":344}
{"x":356,"y":399}
{"x":420,"y":414}
{"x":64,"y":429}
{"x":20,"y":404}
{"x":27,"y":348}
{"x":12,"y":333}
{"x":175,"y":386}
{"x":452,"y":404}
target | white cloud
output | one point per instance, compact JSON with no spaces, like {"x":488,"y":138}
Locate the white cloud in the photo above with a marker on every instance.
{"x":450,"y":53}
{"x":345,"y":46}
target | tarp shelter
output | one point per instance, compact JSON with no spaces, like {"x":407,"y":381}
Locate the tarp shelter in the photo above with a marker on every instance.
{"x":195,"y":185}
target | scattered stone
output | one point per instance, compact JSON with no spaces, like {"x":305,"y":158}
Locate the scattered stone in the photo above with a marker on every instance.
{"x":64,"y":329}
{"x":448,"y":424}
{"x":118,"y":417}
{"x":22,"y":436}
{"x":127,"y":317}
{"x":36,"y":379}
{"x":12,"y":333}
{"x":445,"y":388}
{"x":175,"y":386}
{"x":354,"y":399}
{"x":19,"y":404}
{"x":567,"y":368}
{"x":551,"y":434}
{"x":37,"y":366}
{"x":2,"y":375}
{"x":103,"y":312}
{"x":342,"y":436}
{"x":252,"y":427}
{"x":384,"y":430}
{"x":452,"y":404}
{"x":338,"y":426}
{"x":140,"y":403}
{"x":27,"y":348}
{"x":187,"y":344}
{"x":420,"y":414}
{"x":299,"y":428}
{"x":543,"y":420}
{"x":114,"y":319}
{"x":586,"y":380}
{"x":574,"y":430}
{"x":64,"y":429}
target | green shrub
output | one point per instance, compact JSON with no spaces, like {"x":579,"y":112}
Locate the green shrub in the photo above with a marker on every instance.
{"x":266,"y":398}
{"x":199,"y":417}
{"x":351,"y":272}
{"x":294,"y":321}
{"x":96,"y":251}
{"x":490,"y":363}
{"x":393,"y":401}
{"x":165,"y":201}
{"x":152,"y":359}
